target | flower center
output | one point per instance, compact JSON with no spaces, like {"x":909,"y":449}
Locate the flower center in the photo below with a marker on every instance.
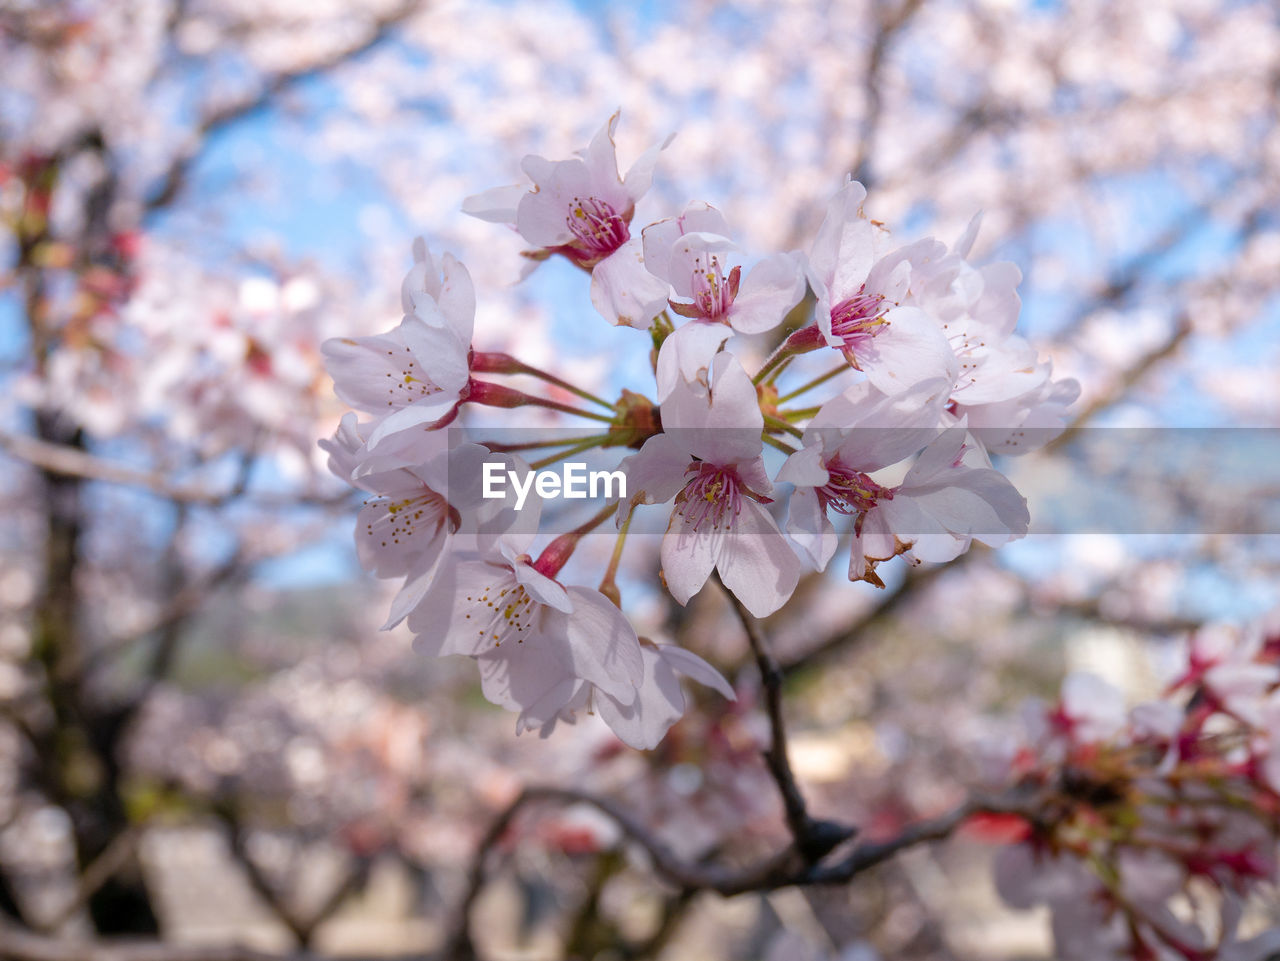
{"x":599,"y":229}
{"x":713,"y":292}
{"x":713,"y":497}
{"x":849,"y":491}
{"x":400,"y":519}
{"x":410,"y":384}
{"x":502,"y":610}
{"x":857,"y":320}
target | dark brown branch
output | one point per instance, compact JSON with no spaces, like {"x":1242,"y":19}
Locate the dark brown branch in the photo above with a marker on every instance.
{"x":664,"y":862}
{"x":19,"y":946}
{"x":303,"y":928}
{"x":814,"y":839}
{"x":784,"y":869}
{"x":116,"y":856}
{"x":63,"y":460}
{"x":912,"y":584}
{"x":868,"y":855}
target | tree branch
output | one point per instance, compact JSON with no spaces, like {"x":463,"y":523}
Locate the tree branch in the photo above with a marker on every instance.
{"x":65,"y":461}
{"x":814,"y":839}
{"x":18,"y":945}
{"x":780,"y":870}
{"x":303,"y":928}
{"x":175,"y":177}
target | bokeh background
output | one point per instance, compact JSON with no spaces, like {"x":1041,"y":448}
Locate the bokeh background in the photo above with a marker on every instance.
{"x":202,"y":732}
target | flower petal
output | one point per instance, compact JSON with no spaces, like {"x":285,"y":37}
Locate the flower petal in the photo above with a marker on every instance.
{"x":756,"y":563}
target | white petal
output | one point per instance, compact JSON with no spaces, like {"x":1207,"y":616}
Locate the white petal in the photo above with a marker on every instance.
{"x":964,"y":244}
{"x":843,"y":249}
{"x":657,"y":473}
{"x":532,"y":676}
{"x":422,"y":413}
{"x":724,"y":426}
{"x":497,"y":205}
{"x":542,"y":588}
{"x":810,"y":529}
{"x":624,"y":292}
{"x":685,"y":355}
{"x":909,"y":350}
{"x":603,"y":645}
{"x":639,"y":178}
{"x":688,"y":556}
{"x":659,"y":238}
{"x":692,"y":666}
{"x":659,"y":703}
{"x":756,"y":563}
{"x":805,"y":468}
{"x":768,"y":293}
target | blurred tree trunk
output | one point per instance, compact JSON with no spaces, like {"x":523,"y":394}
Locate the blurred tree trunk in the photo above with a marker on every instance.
{"x":85,"y":740}
{"x":77,"y":764}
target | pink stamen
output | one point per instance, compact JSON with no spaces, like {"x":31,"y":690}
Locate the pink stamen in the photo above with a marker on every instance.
{"x":848,"y":491}
{"x":599,"y":229}
{"x":713,"y":292}
{"x":856,"y":320}
{"x":714,"y":496}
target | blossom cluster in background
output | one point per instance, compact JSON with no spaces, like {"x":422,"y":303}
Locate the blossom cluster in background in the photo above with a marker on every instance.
{"x":1156,"y":825}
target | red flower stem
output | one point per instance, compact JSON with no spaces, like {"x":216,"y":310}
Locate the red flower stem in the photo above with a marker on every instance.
{"x":489,"y":394}
{"x":498,"y":363}
{"x":558,"y":552}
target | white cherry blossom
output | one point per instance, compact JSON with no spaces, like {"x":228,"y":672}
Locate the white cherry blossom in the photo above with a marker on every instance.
{"x":582,"y":209}
{"x":708,"y":459}
{"x":659,"y":701}
{"x":949,"y":497}
{"x":534,"y":638}
{"x":861,"y":295}
{"x":704,"y":269}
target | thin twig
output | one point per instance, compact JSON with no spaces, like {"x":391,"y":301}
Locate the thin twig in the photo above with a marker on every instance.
{"x":67,"y":461}
{"x":171,"y":183}
{"x":97,"y":873}
{"x":302,"y":928}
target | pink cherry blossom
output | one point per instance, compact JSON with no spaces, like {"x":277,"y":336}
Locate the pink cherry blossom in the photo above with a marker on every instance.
{"x":977,"y":309}
{"x":582,"y":209}
{"x":534,"y":639}
{"x":658,"y":704}
{"x":415,"y":375}
{"x":860,"y":309}
{"x":949,"y":497}
{"x":1024,"y":423}
{"x":694,"y":255}
{"x":709,"y":460}
{"x":444,"y":298}
{"x":423,"y":516}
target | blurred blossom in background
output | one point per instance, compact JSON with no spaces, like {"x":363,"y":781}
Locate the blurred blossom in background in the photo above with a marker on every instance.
{"x":195,"y":699}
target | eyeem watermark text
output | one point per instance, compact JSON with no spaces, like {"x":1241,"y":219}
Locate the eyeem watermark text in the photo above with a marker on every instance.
{"x":573,"y":481}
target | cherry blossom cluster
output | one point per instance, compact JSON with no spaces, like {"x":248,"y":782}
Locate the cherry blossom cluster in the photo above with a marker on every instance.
{"x":886,"y":448}
{"x":1160,"y":822}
